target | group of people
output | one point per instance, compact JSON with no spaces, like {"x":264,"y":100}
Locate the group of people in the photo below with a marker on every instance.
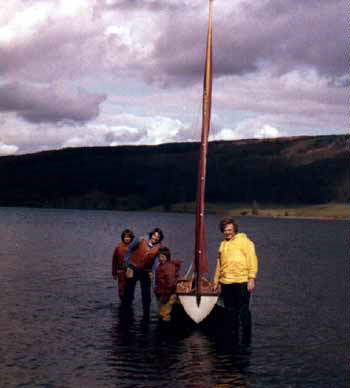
{"x":133,"y":261}
{"x":236,"y":270}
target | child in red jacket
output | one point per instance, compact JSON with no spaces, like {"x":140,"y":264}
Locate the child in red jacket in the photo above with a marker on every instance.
{"x":165,"y":283}
{"x":118,"y":263}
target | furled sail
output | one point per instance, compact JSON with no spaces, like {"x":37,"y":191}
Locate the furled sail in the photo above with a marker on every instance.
{"x":197,"y":294}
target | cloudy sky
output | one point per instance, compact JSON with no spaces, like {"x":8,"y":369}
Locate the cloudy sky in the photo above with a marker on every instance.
{"x":113,"y":72}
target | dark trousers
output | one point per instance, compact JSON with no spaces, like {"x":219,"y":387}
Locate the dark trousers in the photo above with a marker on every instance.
{"x":121,"y":284}
{"x":145,"y":282}
{"x":236,"y":299}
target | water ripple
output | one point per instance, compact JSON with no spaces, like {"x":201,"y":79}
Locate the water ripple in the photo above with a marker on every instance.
{"x":61,"y":325}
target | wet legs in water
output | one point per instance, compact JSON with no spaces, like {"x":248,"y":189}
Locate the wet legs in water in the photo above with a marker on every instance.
{"x":236,"y":298}
{"x":121,"y":284}
{"x":145,"y":283}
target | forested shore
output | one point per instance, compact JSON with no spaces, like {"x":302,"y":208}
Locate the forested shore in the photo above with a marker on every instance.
{"x":290,"y":171}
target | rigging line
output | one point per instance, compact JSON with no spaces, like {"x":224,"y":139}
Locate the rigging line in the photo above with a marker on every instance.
{"x":188,"y":271}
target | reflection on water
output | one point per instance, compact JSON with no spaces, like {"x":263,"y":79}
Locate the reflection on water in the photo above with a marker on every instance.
{"x":62,"y":326}
{"x":174,"y":354}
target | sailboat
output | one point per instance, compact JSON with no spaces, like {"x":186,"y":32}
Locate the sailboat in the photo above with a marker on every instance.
{"x":196,"y":293}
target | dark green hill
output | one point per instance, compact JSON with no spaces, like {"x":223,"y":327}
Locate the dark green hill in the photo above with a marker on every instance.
{"x":285,"y":170}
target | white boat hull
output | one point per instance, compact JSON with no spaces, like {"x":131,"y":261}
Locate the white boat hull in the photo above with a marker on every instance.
{"x":195,"y":312}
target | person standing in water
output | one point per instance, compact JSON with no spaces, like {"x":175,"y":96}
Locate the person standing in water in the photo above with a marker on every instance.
{"x":236,"y":270}
{"x":118,"y":262}
{"x":166,"y":275}
{"x":140,"y":258}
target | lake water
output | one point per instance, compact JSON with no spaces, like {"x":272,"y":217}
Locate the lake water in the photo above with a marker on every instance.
{"x":61,"y":326}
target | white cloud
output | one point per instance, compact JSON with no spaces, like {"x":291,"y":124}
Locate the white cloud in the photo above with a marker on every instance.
{"x":131,"y":33}
{"x":255,"y":128}
{"x":60,"y":58}
{"x":123,"y":129}
{"x":267,"y":131}
{"x":6,"y":149}
{"x":24,"y":21}
{"x":127,"y":129}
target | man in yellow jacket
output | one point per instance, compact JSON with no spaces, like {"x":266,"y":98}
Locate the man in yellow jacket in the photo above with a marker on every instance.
{"x":236,"y":271}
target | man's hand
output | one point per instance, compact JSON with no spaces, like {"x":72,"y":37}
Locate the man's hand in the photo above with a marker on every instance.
{"x":129,"y":273}
{"x":150,"y":275}
{"x":251,"y":284}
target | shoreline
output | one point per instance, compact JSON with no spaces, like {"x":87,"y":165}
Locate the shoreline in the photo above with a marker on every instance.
{"x":325,"y":212}
{"x":322,"y":218}
{"x":329,"y":211}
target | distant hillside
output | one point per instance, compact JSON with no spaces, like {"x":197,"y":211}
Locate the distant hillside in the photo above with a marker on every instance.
{"x":285,"y":170}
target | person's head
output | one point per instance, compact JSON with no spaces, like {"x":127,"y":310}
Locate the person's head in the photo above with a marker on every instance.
{"x":228,"y":227}
{"x":156,"y":235}
{"x":127,"y":236}
{"x":164,"y":255}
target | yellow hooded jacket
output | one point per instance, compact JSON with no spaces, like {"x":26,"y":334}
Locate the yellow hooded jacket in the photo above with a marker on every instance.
{"x":237,"y":261}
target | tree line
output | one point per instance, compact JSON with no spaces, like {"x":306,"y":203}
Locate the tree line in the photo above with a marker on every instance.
{"x":286,"y":170}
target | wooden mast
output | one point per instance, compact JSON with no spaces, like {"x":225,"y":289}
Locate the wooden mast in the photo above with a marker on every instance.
{"x":199,"y":299}
{"x":201,"y":260}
